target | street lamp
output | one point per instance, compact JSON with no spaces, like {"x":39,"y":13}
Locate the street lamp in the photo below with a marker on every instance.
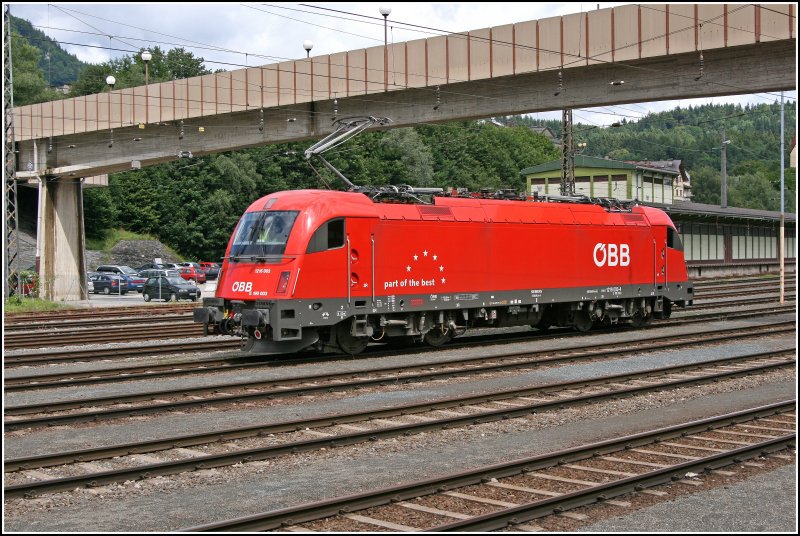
{"x":110,"y":80}
{"x":308,"y":45}
{"x":385,"y":11}
{"x":146,"y":57}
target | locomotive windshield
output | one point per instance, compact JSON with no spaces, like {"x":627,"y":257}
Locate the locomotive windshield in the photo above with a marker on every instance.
{"x":263,"y":233}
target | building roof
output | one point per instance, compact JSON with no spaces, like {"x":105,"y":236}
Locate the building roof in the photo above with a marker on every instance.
{"x":580,"y":161}
{"x":544,"y":131}
{"x":703,"y":211}
{"x":668,"y":165}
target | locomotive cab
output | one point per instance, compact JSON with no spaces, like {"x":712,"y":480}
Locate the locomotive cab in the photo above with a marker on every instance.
{"x":283,"y":250}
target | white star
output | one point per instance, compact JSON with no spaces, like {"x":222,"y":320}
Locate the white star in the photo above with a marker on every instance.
{"x":435,"y":257}
{"x":425,"y":252}
{"x":416,"y":257}
{"x":441,"y":268}
{"x":408,"y":268}
{"x":443,"y":280}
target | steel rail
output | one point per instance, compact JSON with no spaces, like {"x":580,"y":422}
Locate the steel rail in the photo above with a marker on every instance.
{"x":285,"y":517}
{"x":94,"y":312}
{"x":253,"y":454}
{"x":603,"y":492}
{"x":773,"y":289}
{"x":101,"y":335}
{"x":94,"y":322}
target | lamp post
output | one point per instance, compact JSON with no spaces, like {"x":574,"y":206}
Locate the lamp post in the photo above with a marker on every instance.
{"x":110,"y":80}
{"x":385,"y":11}
{"x":146,"y":57}
{"x":308,"y":45}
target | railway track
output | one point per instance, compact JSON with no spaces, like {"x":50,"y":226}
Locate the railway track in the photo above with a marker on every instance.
{"x":34,"y":358}
{"x":53,"y":412}
{"x":150,"y":372}
{"x":95,"y":312}
{"x":517,"y":493}
{"x":42,"y":339}
{"x":337,"y":430}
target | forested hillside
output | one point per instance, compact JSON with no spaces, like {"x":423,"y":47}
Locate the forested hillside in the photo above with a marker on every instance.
{"x":58,"y":66}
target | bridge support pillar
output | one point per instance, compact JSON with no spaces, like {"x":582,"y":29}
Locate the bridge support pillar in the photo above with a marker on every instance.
{"x":62,"y":270}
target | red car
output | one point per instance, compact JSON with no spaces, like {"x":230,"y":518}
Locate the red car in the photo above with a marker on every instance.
{"x":190,"y":273}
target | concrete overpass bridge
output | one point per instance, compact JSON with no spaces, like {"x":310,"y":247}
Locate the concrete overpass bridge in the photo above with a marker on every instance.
{"x":572,"y":61}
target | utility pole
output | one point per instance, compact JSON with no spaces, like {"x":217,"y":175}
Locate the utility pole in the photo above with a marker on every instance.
{"x":567,"y":155}
{"x":12,"y":282}
{"x":723,"y":202}
{"x":780,"y":230}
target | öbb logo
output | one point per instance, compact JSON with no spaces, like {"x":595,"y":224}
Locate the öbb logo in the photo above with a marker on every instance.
{"x":612,"y":254}
{"x":242,"y":286}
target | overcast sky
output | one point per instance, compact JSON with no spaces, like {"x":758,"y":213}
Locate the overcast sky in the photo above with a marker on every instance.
{"x":231,"y":36}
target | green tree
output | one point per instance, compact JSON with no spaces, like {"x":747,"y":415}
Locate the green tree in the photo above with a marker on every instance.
{"x":130,"y":70}
{"x":99,"y":212}
{"x":29,"y":85}
{"x":753,"y":191}
{"x":706,"y":186}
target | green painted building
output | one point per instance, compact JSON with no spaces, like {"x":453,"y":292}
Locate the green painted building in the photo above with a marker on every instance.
{"x":602,"y":177}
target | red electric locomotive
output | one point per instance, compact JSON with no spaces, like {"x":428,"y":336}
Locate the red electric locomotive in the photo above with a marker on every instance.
{"x":334,"y":270}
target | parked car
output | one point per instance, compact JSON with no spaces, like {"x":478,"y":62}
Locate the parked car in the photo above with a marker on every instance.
{"x":147,"y":274}
{"x":211,"y":269}
{"x":169,"y":288}
{"x":190,"y":273}
{"x":108,"y":283}
{"x":135,"y":282}
{"x":149,"y":266}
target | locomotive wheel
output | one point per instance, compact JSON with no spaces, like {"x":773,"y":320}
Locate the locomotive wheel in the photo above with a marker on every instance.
{"x":582,"y":320}
{"x":248,"y":343}
{"x":348,"y":343}
{"x":638,"y":321}
{"x":666,"y":312}
{"x":436,"y":338}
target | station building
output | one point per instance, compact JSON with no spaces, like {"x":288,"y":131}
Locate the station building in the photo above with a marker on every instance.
{"x":717,"y":241}
{"x":649,"y":182}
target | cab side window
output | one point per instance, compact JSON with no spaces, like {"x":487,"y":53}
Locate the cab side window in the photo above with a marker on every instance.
{"x":674,"y":239}
{"x":330,"y":235}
